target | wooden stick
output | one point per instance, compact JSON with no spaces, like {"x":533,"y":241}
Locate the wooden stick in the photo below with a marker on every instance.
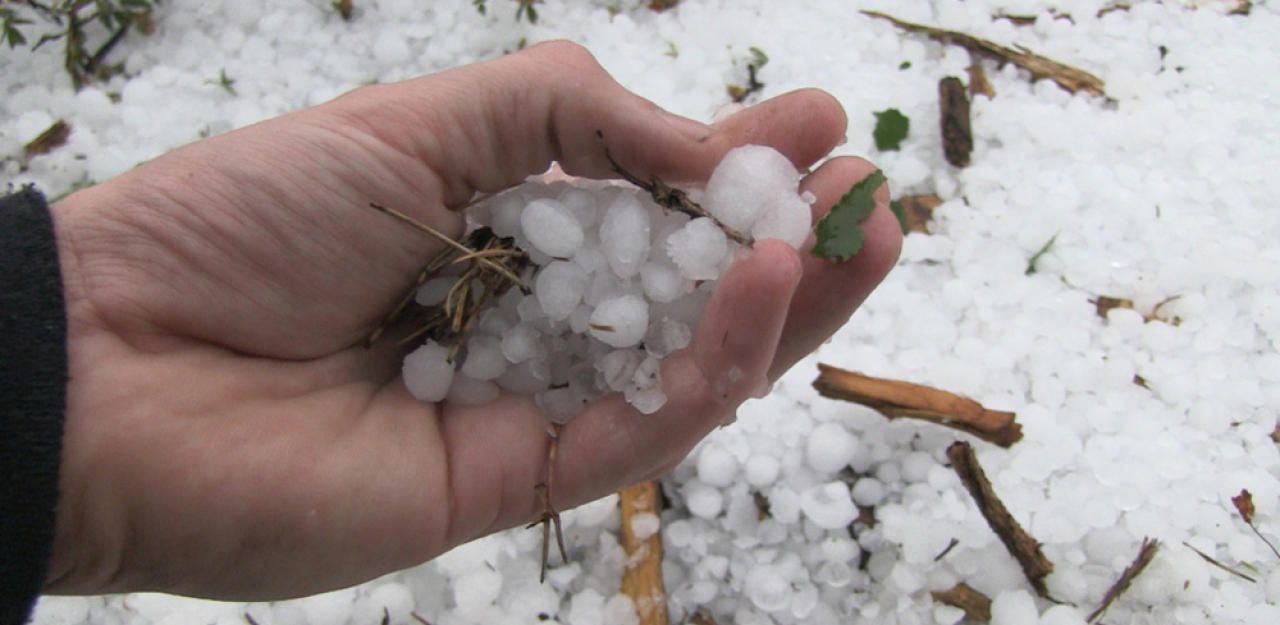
{"x":1024,"y":548}
{"x":642,"y":579}
{"x":896,"y":398}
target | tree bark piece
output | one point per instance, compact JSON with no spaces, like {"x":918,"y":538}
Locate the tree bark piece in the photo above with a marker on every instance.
{"x":1024,"y":548}
{"x":978,"y":83}
{"x":957,"y":134}
{"x":642,"y":579}
{"x":896,"y":398}
{"x":917,"y":210}
{"x":976,"y":606}
{"x":1069,"y":78}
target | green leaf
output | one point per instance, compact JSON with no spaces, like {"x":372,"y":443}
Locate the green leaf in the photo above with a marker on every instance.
{"x":1035,"y":258}
{"x":758,"y":57}
{"x":891,"y":128}
{"x":904,"y":65}
{"x":840,"y":233}
{"x":900,"y":213}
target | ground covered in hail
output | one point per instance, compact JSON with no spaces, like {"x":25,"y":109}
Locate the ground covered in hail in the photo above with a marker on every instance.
{"x":1104,"y":267}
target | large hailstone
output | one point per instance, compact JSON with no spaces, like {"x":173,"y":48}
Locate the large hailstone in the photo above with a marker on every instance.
{"x":747,"y":182}
{"x":624,"y":235}
{"x":428,"y":372}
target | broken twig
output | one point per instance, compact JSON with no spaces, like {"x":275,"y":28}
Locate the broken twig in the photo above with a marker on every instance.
{"x":957,"y":134}
{"x":976,"y":606}
{"x":896,"y":398}
{"x":642,"y":577}
{"x":1145,"y":554}
{"x":1024,"y":548}
{"x":1069,"y":78}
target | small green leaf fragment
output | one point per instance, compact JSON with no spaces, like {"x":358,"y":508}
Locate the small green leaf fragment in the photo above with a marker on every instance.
{"x":839,"y":234}
{"x":904,"y":65}
{"x":900,"y":213}
{"x":891,"y":128}
{"x":1035,"y":258}
{"x":758,"y":57}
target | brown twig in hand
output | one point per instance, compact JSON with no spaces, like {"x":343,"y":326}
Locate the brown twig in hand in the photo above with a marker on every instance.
{"x":1024,"y":548}
{"x":895,"y":398}
{"x":1145,"y":554}
{"x":549,"y":515}
{"x":449,"y":241}
{"x":671,"y":198}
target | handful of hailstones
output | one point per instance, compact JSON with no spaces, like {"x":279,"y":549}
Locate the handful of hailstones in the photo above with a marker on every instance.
{"x":618,"y":283}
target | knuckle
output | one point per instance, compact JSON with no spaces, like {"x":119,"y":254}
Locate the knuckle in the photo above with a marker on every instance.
{"x":567,"y":55}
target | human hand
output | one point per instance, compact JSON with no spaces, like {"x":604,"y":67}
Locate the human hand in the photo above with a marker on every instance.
{"x":226,"y":435}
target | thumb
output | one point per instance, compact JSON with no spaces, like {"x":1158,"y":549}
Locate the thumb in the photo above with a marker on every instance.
{"x":488,"y":126}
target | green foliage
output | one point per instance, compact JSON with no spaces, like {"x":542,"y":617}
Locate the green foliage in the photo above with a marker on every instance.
{"x":82,"y":23}
{"x":758,"y":58}
{"x":891,"y":128}
{"x":900,"y":213}
{"x":904,"y":65}
{"x":524,"y":9}
{"x":1035,"y":258}
{"x":840,"y":235}
{"x":9,"y":23}
{"x":227,"y":83}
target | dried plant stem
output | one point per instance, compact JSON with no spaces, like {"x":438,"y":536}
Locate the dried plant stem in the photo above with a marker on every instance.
{"x":1069,"y":78}
{"x":1145,"y":555}
{"x":448,"y":240}
{"x":550,"y":517}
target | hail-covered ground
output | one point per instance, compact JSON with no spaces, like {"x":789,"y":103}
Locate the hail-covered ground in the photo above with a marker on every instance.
{"x":1142,"y":422}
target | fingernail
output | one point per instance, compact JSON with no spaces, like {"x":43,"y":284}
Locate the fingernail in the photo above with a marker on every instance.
{"x":695,"y":130}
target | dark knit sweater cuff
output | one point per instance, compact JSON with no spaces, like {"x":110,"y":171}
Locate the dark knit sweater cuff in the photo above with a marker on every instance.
{"x":33,"y":377}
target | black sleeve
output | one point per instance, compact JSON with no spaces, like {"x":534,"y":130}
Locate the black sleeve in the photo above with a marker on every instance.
{"x":33,"y":377}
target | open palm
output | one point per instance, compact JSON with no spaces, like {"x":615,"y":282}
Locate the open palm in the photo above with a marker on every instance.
{"x":226,"y":434}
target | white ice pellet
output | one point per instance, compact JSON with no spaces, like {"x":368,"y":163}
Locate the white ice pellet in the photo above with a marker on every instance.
{"x":559,"y":287}
{"x":583,"y":204}
{"x":618,"y":366}
{"x":698,"y":249}
{"x":644,"y":525}
{"x":476,"y":590}
{"x":551,"y":228}
{"x":745,"y":181}
{"x":560,"y":405}
{"x":484,"y":358}
{"x":1062,"y":615}
{"x":767,"y":588}
{"x":761,"y":470}
{"x":716,"y":466}
{"x":620,"y":321}
{"x":433,"y":291}
{"x":468,"y":391}
{"x":624,"y":235}
{"x":645,"y":400}
{"x":1014,"y":607}
{"x":830,"y":447}
{"x":662,"y":282}
{"x":521,"y":342}
{"x":788,"y":219}
{"x":529,"y":376}
{"x":829,"y":505}
{"x":704,"y":501}
{"x":428,"y":372}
